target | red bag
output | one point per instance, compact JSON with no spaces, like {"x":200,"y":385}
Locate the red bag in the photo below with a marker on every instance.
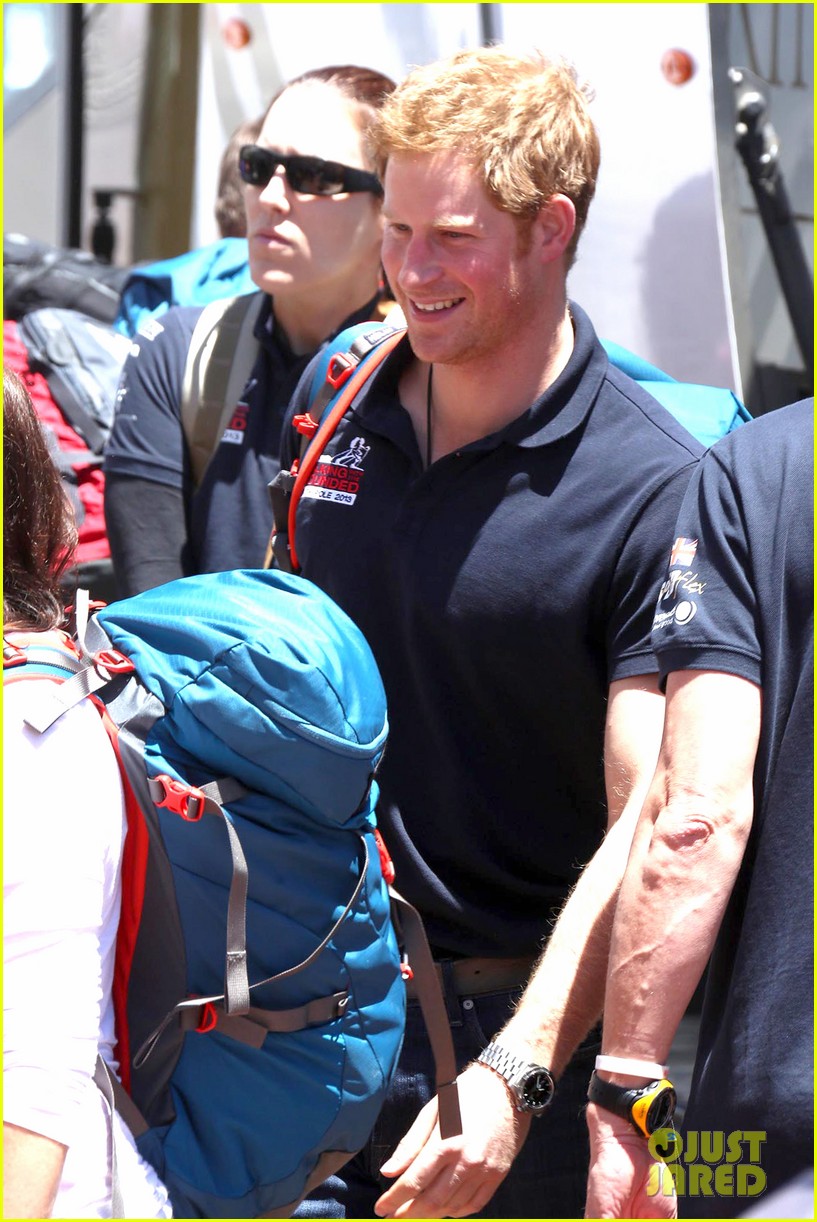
{"x":80,"y":467}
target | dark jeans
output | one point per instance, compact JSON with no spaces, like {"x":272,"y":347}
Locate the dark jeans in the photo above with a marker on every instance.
{"x":549,"y":1176}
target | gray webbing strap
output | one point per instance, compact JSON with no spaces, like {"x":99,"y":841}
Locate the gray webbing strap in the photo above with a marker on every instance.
{"x":236,"y":980}
{"x":47,"y":706}
{"x":103,"y":1079}
{"x":222,"y":352}
{"x":195,"y":1003}
{"x":429,"y":994}
{"x":253,"y":1027}
{"x":127,"y":1109}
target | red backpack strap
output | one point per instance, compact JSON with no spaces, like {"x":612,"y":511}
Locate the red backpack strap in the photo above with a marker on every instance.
{"x":134,"y":875}
{"x":290,"y":484}
{"x":72,"y":677}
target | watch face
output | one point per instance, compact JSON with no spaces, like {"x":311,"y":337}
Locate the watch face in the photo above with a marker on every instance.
{"x":662,"y":1110}
{"x":537,"y":1090}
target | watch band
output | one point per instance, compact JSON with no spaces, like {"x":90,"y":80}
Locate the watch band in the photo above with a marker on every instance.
{"x":514,"y":1071}
{"x":635,"y":1103}
{"x":505,"y":1063}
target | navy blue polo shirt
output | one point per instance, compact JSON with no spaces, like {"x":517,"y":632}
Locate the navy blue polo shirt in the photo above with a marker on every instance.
{"x":739,"y":598}
{"x":229,"y":517}
{"x":501,"y":591}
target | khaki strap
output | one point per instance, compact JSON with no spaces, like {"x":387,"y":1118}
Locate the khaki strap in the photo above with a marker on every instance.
{"x":195,"y":1003}
{"x":253,"y":1027}
{"x":426,"y":985}
{"x":222,"y":352}
{"x":117,"y":1100}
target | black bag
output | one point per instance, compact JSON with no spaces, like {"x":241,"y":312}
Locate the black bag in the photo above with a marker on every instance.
{"x":36,"y":274}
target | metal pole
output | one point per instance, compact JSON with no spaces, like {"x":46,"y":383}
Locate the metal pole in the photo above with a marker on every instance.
{"x":75,"y":127}
{"x":489,"y":22}
{"x":758,"y":145}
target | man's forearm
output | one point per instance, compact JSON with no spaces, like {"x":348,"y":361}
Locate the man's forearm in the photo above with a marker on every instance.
{"x":565,"y":995}
{"x":686,"y":855}
{"x":566,"y":992}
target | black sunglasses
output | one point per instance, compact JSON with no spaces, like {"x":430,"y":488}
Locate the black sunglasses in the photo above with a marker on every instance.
{"x":310,"y":175}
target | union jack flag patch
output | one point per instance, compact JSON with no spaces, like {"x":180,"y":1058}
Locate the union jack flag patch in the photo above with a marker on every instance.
{"x":683,"y":552}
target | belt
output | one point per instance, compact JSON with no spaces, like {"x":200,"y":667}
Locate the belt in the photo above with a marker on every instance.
{"x":471,"y":977}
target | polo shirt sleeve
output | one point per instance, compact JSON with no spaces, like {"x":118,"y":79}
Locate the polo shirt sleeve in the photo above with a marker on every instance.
{"x":147,"y":439}
{"x":638,"y":567}
{"x":707,"y":615}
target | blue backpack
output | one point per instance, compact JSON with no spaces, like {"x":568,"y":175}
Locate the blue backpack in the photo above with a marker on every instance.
{"x":346,"y":364}
{"x":259,"y":997}
{"x":707,"y":412}
{"x":194,"y":278}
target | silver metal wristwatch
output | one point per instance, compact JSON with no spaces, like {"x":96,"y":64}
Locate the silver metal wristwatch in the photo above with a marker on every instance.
{"x":532,"y":1086}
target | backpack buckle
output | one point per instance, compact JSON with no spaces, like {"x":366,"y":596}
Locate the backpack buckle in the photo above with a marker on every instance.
{"x":109,"y":662}
{"x":13,"y":655}
{"x":305,"y":425}
{"x":178,"y":798}
{"x":341,"y":366}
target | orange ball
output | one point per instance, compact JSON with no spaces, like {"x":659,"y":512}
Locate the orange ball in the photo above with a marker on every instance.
{"x":236,"y":33}
{"x":677,"y":66}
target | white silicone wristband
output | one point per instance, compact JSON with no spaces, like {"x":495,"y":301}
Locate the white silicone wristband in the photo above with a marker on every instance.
{"x":636,"y":1069}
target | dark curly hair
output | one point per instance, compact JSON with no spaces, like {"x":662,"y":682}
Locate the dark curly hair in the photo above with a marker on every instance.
{"x":39,"y":536}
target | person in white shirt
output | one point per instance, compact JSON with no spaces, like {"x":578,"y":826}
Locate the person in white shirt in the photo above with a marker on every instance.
{"x":64,"y":830}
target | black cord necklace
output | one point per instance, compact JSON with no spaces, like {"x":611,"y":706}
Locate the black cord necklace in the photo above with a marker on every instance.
{"x":428,"y":417}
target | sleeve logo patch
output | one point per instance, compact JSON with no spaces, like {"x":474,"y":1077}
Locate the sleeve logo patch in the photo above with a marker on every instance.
{"x":683,"y":553}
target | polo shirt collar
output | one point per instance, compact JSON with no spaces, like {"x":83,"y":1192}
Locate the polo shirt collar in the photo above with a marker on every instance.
{"x":558,"y":412}
{"x":566,"y":403}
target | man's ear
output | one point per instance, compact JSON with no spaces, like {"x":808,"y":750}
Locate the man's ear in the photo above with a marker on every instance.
{"x":554,"y":227}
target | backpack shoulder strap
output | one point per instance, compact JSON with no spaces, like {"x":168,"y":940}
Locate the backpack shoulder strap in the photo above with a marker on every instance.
{"x":219,"y":361}
{"x":42,"y":655}
{"x":345,"y":366}
{"x":343,"y":353}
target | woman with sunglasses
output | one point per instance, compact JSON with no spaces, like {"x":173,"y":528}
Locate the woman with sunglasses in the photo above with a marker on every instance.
{"x":314,"y":232}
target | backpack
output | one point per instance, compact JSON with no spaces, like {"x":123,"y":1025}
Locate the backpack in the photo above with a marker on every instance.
{"x":222,"y":352}
{"x":71,"y":365}
{"x":196,"y":277}
{"x":258,"y":988}
{"x":346,"y":364}
{"x":36,"y":274}
{"x":220,"y":358}
{"x":707,"y":412}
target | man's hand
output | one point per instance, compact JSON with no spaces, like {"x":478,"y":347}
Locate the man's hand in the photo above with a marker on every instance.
{"x":456,"y":1177}
{"x":625,"y":1180}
